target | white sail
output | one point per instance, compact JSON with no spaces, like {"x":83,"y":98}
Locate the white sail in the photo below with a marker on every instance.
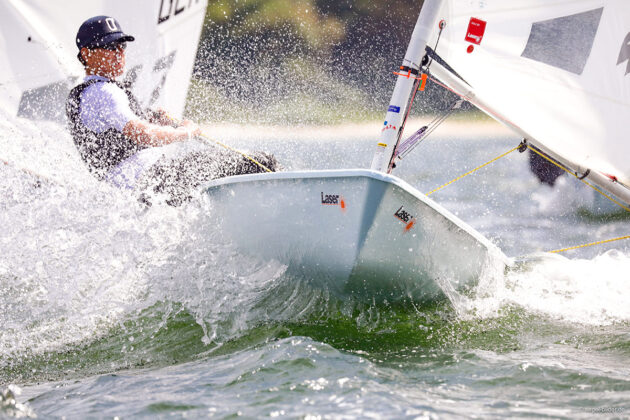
{"x":556,"y":71}
{"x":38,"y":51}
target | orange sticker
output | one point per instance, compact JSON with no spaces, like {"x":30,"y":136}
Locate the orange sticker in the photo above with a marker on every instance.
{"x":424,"y":78}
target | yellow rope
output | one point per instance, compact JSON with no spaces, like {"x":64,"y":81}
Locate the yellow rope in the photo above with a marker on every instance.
{"x":560,"y":166}
{"x":30,"y":172}
{"x":206,"y":137}
{"x":585,"y":182}
{"x":590,"y":244}
{"x":210,"y":139}
{"x":593,"y":187}
{"x":473,"y":170}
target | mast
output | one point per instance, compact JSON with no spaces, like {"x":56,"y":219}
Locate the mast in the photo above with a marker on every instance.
{"x":405,"y":86}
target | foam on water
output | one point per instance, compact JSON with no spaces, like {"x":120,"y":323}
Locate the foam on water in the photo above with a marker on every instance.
{"x":77,"y":262}
{"x":585,"y":291}
{"x":589,"y":291}
{"x":79,"y":256}
{"x":73,"y":261}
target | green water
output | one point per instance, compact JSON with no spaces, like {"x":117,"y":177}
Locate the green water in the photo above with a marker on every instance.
{"x":387,"y":362}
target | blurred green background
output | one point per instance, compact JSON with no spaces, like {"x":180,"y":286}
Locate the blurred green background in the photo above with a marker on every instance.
{"x":302,"y":61}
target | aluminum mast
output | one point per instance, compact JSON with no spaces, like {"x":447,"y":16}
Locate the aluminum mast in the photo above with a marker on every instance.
{"x":405,"y":84}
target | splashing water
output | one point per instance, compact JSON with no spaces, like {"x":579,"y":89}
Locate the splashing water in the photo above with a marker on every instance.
{"x":10,"y":407}
{"x":79,"y":257}
{"x":589,"y":291}
{"x":93,"y":282}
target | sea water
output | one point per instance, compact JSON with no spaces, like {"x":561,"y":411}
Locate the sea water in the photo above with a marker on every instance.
{"x":110,"y":309}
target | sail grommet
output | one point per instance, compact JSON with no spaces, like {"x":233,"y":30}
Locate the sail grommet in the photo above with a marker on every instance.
{"x":442,"y":24}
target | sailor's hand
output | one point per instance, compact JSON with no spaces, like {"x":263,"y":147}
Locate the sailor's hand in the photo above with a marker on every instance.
{"x":191,"y":128}
{"x":161,"y":117}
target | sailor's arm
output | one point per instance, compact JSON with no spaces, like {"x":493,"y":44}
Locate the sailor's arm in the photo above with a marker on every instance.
{"x":107,"y":106}
{"x":148,"y":134}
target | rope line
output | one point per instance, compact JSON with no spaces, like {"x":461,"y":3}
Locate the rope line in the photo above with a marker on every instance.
{"x":556,"y":251}
{"x":576,"y":176}
{"x":245,"y":155}
{"x":473,"y":170}
{"x":209,"y":139}
{"x":30,"y":172}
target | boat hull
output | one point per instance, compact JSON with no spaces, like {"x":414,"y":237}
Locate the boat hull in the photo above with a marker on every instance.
{"x":352,"y":232}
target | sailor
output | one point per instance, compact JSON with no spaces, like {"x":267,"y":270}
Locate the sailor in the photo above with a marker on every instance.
{"x":113,"y":132}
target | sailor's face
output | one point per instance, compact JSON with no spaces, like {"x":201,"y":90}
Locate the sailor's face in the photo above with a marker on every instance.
{"x":116,"y":60}
{"x":107,"y":62}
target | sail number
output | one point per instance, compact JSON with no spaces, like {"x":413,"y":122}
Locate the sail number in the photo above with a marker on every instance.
{"x":170,"y":8}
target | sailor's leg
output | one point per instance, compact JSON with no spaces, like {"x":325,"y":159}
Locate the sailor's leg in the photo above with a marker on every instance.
{"x":251,"y":164}
{"x":176,"y":180}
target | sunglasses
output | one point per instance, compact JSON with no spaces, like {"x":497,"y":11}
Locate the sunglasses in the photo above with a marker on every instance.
{"x":115,"y":46}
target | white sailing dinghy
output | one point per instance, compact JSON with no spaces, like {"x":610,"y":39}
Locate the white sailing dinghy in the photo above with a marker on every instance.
{"x":557,"y":72}
{"x":358,"y":231}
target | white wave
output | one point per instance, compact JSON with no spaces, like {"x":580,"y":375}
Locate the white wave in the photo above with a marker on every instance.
{"x":585,"y":291}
